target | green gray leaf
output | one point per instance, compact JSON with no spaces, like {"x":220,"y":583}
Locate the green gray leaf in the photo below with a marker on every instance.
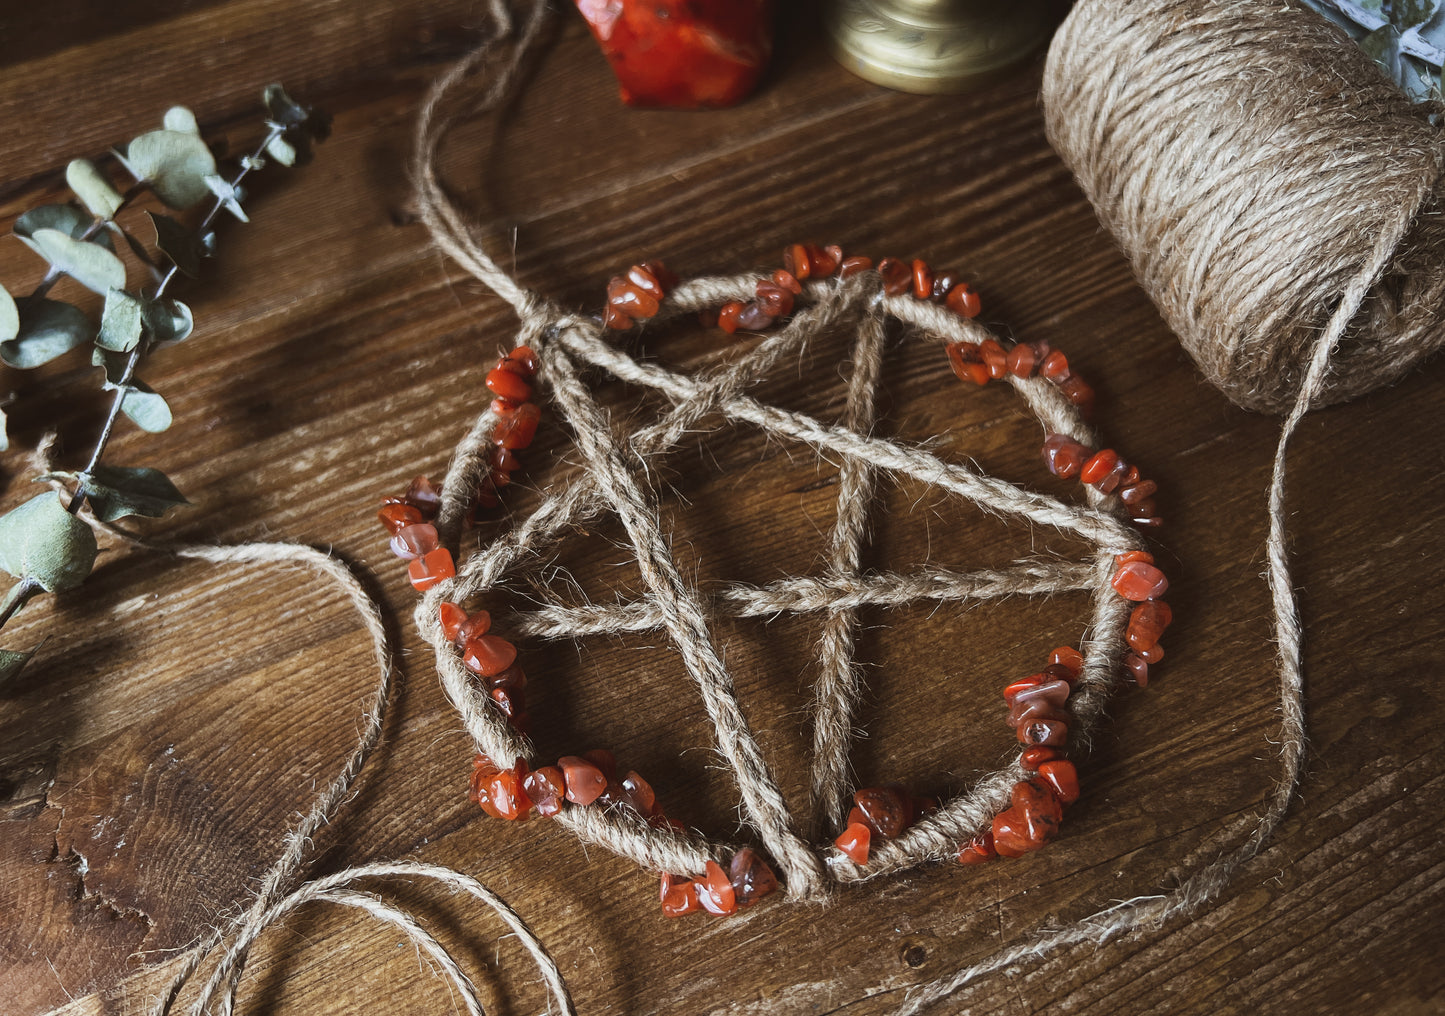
{"x":9,"y":316}
{"x":228,"y":194}
{"x":120,"y":322}
{"x":281,"y":108}
{"x":281,"y":150}
{"x":177,"y":243}
{"x":1406,"y":14}
{"x":43,"y":541}
{"x":181,"y":119}
{"x":167,"y":321}
{"x":12,"y":662}
{"x":145,"y":407}
{"x":174,"y":163}
{"x":89,"y":264}
{"x":48,"y":328}
{"x":93,"y":188}
{"x":114,"y":364}
{"x":118,"y":491}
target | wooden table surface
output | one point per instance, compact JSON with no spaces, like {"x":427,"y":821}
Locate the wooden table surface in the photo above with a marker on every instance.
{"x":180,"y":715}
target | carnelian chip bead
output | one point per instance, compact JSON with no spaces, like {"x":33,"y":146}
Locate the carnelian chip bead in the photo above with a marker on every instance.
{"x":1044,"y":701}
{"x":1041,"y":810}
{"x":774,"y":299}
{"x":1059,"y":672}
{"x":1055,"y":367}
{"x":964,"y":302}
{"x":978,"y":850}
{"x":751,"y":877}
{"x":728,"y":316}
{"x":965,"y":359}
{"x":1067,"y":656}
{"x":1062,"y":778}
{"x":422,"y":496}
{"x":585,"y":782}
{"x":428,"y":570}
{"x":679,"y":896}
{"x":1032,"y":758}
{"x":1139,"y":581}
{"x":1021,"y":360}
{"x":886,"y":810}
{"x":1080,"y":393}
{"x":1064,"y":456}
{"x":1012,"y":689}
{"x":1099,"y":466}
{"x":546,"y":788}
{"x":475,"y":626}
{"x":834,"y":253}
{"x":518,"y":426}
{"x":506,"y":384}
{"x":1043,"y":731}
{"x":1136,"y":492}
{"x":796,"y":262}
{"x":513,"y":678}
{"x":615,"y":319}
{"x":488,"y":655}
{"x":943,"y":282}
{"x":854,"y":266}
{"x":754,"y":317}
{"x":396,"y":517}
{"x":451,"y":618}
{"x":639,"y":794}
{"x":415,"y":541}
{"x":1136,"y":669}
{"x":715,"y":892}
{"x":1010,"y":834}
{"x":1147,"y":622}
{"x":506,"y":795}
{"x":783,"y":277}
{"x":640,"y":277}
{"x":510,"y":701}
{"x":1151,"y":655}
{"x":1133,"y":555}
{"x":994,"y":358}
{"x":897,"y":276}
{"x":524,"y":357}
{"x":922,"y":280}
{"x":853,"y":841}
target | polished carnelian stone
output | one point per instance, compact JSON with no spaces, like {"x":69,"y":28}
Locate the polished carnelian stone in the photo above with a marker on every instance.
{"x":729,"y":315}
{"x":1139,"y":581}
{"x":1064,"y":456}
{"x":642,"y":277}
{"x":1136,"y":669}
{"x":1055,"y":367}
{"x":517,"y":427}
{"x":774,"y":299}
{"x":585,"y":781}
{"x":1041,"y":809}
{"x":1011,"y":834}
{"x":967,"y":362}
{"x":1079,"y":392}
{"x":508,"y":385}
{"x":452,"y":618}
{"x":854,"y":841}
{"x":897,"y":276}
{"x":1032,"y":681}
{"x":963,"y":301}
{"x":634,"y":301}
{"x":1059,"y":672}
{"x":422,"y":496}
{"x":796,"y":261}
{"x":1044,"y":700}
{"x":505,"y":793}
{"x":682,"y":54}
{"x":679,"y":896}
{"x":415,"y":541}
{"x":523,"y":358}
{"x":922,"y":280}
{"x":886,"y":810}
{"x":754,"y":317}
{"x":788,"y":281}
{"x":1067,"y":656}
{"x":475,"y":626}
{"x":1147,"y":622}
{"x":943,"y":283}
{"x":823,"y":260}
{"x":751,"y":877}
{"x":1021,"y":360}
{"x":1032,"y":758}
{"x":1136,"y":492}
{"x":1099,"y":466}
{"x":504,"y":459}
{"x":512,"y":678}
{"x":396,"y":517}
{"x":488,"y":655}
{"x":715,"y":892}
{"x":978,"y":850}
{"x":511,"y":701}
{"x":427,"y":571}
{"x":546,"y":788}
{"x":639,"y":794}
{"x":1133,"y":555}
{"x":1062,"y":778}
{"x":665,"y":276}
{"x":994,"y":358}
{"x":1151,"y":655}
{"x":854,"y":266}
{"x":1044,"y":731}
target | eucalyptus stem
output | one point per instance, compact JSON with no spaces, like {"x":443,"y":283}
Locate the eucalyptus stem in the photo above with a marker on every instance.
{"x":19,"y":597}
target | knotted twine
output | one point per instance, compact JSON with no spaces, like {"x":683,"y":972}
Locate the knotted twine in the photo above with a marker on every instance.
{"x":615,"y":467}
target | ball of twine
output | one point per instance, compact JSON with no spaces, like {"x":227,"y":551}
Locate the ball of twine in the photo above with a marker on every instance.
{"x":1248,"y":158}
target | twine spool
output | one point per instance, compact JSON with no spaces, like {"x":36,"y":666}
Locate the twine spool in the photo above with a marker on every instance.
{"x":1248,"y":157}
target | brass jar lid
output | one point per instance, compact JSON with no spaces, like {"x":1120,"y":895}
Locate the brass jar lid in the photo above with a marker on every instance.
{"x":934,"y":45}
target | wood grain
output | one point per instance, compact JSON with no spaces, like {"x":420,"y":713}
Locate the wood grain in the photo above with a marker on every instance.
{"x":180,"y":715}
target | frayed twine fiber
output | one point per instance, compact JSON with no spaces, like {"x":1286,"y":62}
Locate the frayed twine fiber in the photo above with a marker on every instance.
{"x":1247,"y":157}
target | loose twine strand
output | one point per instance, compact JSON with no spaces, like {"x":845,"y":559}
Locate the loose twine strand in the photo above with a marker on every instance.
{"x":615,"y":470}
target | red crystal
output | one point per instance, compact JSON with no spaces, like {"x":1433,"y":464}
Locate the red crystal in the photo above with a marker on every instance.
{"x":682,"y":54}
{"x":885,"y":810}
{"x":751,"y":877}
{"x":546,"y":788}
{"x":679,"y":896}
{"x":452,"y":618}
{"x":517,"y":426}
{"x":396,"y":517}
{"x":854,"y":842}
{"x":488,"y":655}
{"x":427,"y":571}
{"x":715,"y":892}
{"x":585,"y":781}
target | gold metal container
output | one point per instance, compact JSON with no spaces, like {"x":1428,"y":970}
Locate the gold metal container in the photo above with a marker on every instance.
{"x":935,"y":45}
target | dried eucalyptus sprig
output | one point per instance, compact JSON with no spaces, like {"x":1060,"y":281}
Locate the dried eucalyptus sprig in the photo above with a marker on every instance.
{"x":42,"y":542}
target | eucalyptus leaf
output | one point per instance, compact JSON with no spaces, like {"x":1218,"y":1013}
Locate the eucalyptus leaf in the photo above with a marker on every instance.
{"x":1383,"y":46}
{"x":118,"y":491}
{"x":9,"y":316}
{"x":177,"y":243}
{"x":89,"y":264}
{"x":167,"y":321}
{"x":120,"y":323}
{"x":281,"y":108}
{"x":181,"y":119}
{"x":228,"y":194}
{"x":93,"y":188}
{"x":43,"y":541}
{"x":281,"y":150}
{"x":48,"y":328}
{"x":13,"y":661}
{"x":114,"y":364}
{"x":1406,"y":14}
{"x":68,"y":219}
{"x":145,"y":407}
{"x":174,"y":163}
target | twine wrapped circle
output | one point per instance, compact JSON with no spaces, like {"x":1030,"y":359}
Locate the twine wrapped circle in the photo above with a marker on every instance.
{"x":1247,"y":157}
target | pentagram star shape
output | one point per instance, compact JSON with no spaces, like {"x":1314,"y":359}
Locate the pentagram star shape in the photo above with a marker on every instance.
{"x":616,"y":477}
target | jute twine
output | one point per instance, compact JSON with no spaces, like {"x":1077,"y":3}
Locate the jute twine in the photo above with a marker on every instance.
{"x":1247,"y":158}
{"x":614,"y":479}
